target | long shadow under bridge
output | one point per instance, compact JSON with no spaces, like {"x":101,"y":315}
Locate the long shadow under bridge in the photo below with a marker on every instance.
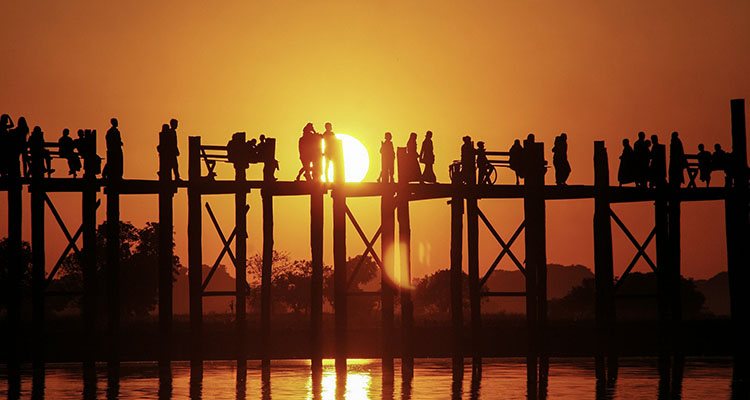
{"x":395,"y":227}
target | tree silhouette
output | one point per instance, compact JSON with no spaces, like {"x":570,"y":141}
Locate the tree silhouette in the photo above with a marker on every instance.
{"x":25,"y":270}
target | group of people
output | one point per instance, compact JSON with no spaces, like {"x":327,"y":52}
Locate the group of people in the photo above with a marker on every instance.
{"x":242,"y":153}
{"x":645,"y":162}
{"x":411,"y":171}
{"x":17,"y":147}
{"x":316,"y":152}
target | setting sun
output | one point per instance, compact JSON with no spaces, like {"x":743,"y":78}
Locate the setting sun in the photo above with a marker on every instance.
{"x":356,"y":159}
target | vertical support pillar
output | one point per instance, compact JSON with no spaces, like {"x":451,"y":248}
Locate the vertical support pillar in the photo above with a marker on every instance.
{"x":662,"y":271}
{"x":38,"y":272}
{"x":457,"y":303}
{"x":88,"y":221}
{"x":737,"y":227}
{"x":166,"y":255}
{"x":536,"y":255}
{"x":113,"y":274}
{"x":16,"y":270}
{"x":195,"y":252}
{"x":603,"y":262}
{"x":266,"y":274}
{"x":674,"y":271}
{"x":316,"y":282}
{"x":407,"y":305}
{"x":387,"y":226}
{"x":475,"y":299}
{"x":339,"y":261}
{"x":240,"y":265}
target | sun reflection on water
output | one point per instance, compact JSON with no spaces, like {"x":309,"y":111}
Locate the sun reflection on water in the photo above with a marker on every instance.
{"x":357,"y":382}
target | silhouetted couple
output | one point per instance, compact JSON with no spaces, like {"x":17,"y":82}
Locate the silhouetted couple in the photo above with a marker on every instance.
{"x":13,"y":147}
{"x":242,"y":153}
{"x":560,"y":159}
{"x":720,"y":160}
{"x":520,"y":162}
{"x":644,"y":164}
{"x":409,"y":169}
{"x":317,"y":152}
{"x":168,"y":150}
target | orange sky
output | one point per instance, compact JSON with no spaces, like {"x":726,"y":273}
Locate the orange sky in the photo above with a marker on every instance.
{"x":495,"y":70}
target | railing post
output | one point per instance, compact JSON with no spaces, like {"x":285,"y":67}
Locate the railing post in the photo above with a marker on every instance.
{"x":195,"y":252}
{"x":339,"y":261}
{"x":603,"y":262}
{"x":166,"y":254}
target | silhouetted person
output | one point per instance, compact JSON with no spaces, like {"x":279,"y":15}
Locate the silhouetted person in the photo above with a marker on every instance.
{"x":483,"y":165}
{"x":6,"y":145}
{"x":704,"y":164}
{"x":658,"y":163}
{"x":36,"y":146}
{"x":168,"y":149}
{"x":560,"y":159}
{"x":266,"y":154}
{"x":515,"y":159}
{"x":427,"y":157}
{"x":114,"y":167}
{"x":316,"y":152}
{"x":468,"y":161}
{"x":237,"y":151}
{"x":414,"y":172}
{"x":677,"y":161}
{"x":306,"y":154}
{"x":67,"y":150}
{"x":387,"y":158}
{"x":641,"y":156}
{"x":720,"y":162}
{"x":19,"y":137}
{"x":329,"y":140}
{"x":626,"y":171}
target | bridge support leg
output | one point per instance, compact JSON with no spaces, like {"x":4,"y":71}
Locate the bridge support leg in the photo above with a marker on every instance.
{"x":16,"y":269}
{"x":457,"y":304}
{"x":663,"y":283}
{"x":113,"y":277}
{"x":240,"y":266}
{"x":316,"y":291}
{"x":407,"y":305}
{"x":266,"y":274}
{"x":738,"y":255}
{"x":166,"y":256}
{"x":38,"y":272}
{"x":387,"y":224}
{"x":88,"y":219}
{"x":472,"y":236}
{"x":675,"y":275}
{"x":340,"y":277}
{"x":536,"y":258}
{"x":195,"y":255}
{"x":603,"y":264}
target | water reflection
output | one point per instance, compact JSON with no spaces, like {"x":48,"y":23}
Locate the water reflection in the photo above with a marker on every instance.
{"x":366,"y":379}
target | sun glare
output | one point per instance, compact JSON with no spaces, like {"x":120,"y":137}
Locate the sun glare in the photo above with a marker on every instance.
{"x":356,"y":159}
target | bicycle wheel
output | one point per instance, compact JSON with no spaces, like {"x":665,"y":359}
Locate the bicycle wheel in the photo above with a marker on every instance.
{"x":492,"y":174}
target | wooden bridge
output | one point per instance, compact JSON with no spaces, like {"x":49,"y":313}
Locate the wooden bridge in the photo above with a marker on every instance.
{"x":395,"y":227}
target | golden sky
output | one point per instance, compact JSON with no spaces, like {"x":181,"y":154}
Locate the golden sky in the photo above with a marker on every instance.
{"x":496,"y":70}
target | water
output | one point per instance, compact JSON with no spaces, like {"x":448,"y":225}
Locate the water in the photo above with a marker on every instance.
{"x":503,"y":378}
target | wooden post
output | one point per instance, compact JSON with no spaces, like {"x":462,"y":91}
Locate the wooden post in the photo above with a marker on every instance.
{"x":457,"y":303}
{"x":38,"y":272}
{"x":16,"y":269}
{"x":339,"y":261}
{"x":240,"y":265}
{"x":195,"y":252}
{"x":88,"y":221}
{"x":166,"y":255}
{"x":266,"y":274}
{"x":407,"y":306}
{"x":316,"y":282}
{"x":387,"y":226}
{"x":536,"y":254}
{"x":674,"y":275}
{"x":603,"y":262}
{"x":472,"y":238}
{"x":737,"y":227}
{"x":113,"y":274}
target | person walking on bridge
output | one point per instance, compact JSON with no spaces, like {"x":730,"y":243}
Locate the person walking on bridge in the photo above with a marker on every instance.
{"x":427,"y":157}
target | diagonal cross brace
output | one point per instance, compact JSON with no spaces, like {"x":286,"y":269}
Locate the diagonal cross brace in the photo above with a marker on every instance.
{"x":369,"y":247}
{"x":503,"y":244}
{"x":226,"y":245}
{"x":641,"y":248}
{"x":72,"y":240}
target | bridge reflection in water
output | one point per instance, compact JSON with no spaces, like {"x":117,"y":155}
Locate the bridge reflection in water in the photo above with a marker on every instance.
{"x":365,"y":379}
